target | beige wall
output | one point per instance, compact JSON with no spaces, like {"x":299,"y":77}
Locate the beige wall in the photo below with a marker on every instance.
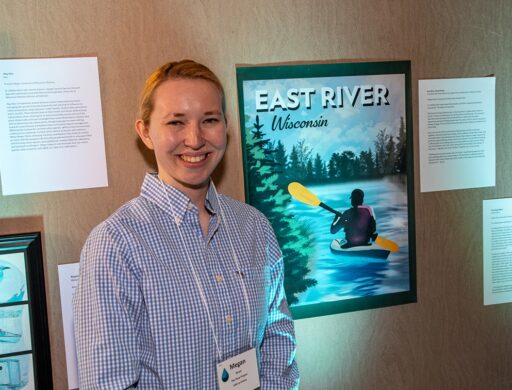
{"x":448,"y":340}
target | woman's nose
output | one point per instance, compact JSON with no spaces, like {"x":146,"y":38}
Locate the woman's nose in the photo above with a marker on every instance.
{"x":194,"y":136}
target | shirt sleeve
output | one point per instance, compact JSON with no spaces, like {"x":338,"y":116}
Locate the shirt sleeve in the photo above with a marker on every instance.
{"x":278,"y":368}
{"x":107,"y":306}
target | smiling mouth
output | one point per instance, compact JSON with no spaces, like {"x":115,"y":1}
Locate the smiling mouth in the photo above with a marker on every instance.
{"x":193,"y":159}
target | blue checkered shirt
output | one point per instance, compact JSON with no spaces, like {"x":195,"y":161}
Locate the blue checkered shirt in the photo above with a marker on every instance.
{"x":138,"y":314}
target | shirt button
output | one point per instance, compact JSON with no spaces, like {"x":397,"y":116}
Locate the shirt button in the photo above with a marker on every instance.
{"x":219,"y":278}
{"x":177,"y":220}
{"x":190,"y":205}
{"x":229,"y":319}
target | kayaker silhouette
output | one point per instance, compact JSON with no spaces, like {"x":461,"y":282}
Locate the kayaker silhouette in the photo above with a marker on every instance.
{"x":358,"y":222}
{"x":306,"y":196}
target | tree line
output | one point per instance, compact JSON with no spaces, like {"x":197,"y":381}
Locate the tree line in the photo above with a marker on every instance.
{"x":387,"y":157}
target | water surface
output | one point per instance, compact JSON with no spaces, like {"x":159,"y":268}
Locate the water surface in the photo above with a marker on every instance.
{"x":341,"y":277}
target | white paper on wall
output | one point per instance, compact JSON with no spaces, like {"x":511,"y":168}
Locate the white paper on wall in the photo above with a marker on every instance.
{"x":51,"y":126}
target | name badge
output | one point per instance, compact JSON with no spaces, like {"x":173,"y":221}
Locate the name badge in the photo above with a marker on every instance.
{"x":239,"y":372}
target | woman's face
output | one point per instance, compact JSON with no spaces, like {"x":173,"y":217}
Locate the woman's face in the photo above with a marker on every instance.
{"x":187,"y":131}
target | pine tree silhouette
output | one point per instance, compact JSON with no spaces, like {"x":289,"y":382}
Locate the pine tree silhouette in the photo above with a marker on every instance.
{"x":271,"y":199}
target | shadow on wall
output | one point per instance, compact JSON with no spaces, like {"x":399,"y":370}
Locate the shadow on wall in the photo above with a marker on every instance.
{"x":147,"y":154}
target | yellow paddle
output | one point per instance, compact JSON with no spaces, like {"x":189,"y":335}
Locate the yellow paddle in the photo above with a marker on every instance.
{"x":302,"y":194}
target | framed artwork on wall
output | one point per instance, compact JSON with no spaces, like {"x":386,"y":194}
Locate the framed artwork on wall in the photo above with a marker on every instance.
{"x":327,"y":154}
{"x":25,"y":361}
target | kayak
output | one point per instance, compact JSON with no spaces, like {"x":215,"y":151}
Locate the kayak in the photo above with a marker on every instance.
{"x":371,"y":250}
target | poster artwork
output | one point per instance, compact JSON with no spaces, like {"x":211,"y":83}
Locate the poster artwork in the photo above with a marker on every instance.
{"x":328,"y":159}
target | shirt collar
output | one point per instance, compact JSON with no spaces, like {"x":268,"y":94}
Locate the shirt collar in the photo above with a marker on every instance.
{"x":171,"y":200}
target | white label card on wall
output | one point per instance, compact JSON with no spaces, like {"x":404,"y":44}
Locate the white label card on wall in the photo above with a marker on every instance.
{"x":239,"y":372}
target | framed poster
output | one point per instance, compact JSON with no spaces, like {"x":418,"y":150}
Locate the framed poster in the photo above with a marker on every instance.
{"x":327,"y":152}
{"x":24,"y":339}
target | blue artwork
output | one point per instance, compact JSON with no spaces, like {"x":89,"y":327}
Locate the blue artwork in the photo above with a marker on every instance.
{"x":16,"y":372}
{"x":13,"y":279}
{"x":15,"y":329}
{"x":23,"y":319}
{"x":328,"y":159}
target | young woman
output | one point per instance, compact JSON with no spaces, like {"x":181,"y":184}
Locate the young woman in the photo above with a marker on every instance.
{"x":182,"y":287}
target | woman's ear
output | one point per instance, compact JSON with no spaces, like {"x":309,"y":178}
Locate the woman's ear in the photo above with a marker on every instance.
{"x":143,"y":132}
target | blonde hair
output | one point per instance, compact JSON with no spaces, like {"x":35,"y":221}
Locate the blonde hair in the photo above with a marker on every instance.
{"x":184,"y":69}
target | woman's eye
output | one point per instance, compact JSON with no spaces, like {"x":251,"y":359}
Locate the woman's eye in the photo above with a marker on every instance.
{"x":211,"y":120}
{"x":174,"y":123}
